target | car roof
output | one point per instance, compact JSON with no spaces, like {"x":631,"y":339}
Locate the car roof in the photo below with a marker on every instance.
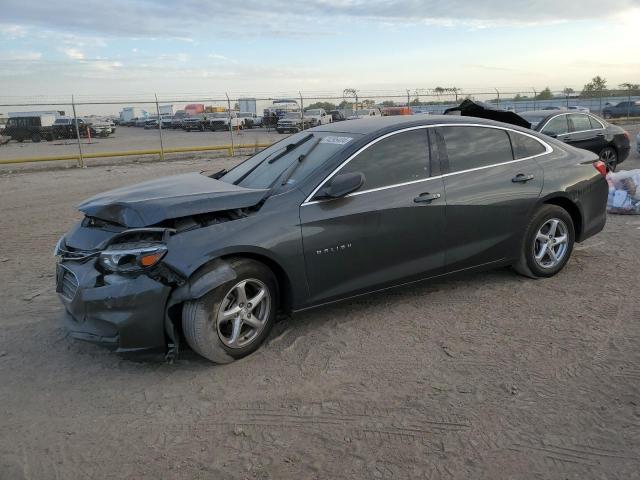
{"x":371,"y":125}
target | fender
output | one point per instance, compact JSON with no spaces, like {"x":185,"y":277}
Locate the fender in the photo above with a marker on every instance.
{"x":208,"y":278}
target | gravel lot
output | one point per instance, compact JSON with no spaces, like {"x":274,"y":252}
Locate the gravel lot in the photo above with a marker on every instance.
{"x":481,"y":376}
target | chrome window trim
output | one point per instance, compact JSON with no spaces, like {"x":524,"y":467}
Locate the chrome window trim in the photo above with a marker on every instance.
{"x":309,"y":201}
{"x":578,"y":131}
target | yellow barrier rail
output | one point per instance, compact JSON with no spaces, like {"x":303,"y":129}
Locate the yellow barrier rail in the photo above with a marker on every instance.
{"x":128,"y":153}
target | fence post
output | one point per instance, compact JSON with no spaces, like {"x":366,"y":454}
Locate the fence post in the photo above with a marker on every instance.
{"x":498,"y":99}
{"x":75,"y":121}
{"x":230,"y":127}
{"x":628,"y":104}
{"x":159,"y":128}
{"x":301,"y":108}
{"x":408,"y":98}
{"x":535,"y":94}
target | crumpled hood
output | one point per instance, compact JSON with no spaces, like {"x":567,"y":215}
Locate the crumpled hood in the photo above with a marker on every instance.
{"x":152,"y":202}
{"x":470,"y":108}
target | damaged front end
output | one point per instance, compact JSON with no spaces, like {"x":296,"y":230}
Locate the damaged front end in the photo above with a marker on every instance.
{"x":116,"y":292}
{"x":111,"y":276}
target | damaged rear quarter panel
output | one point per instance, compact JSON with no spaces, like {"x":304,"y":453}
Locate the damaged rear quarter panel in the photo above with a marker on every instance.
{"x":273,"y":232}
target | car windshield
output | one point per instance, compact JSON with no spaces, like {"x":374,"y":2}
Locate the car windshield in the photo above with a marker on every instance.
{"x":312,"y":112}
{"x":62,"y":121}
{"x":362,"y":112}
{"x":245,"y":115}
{"x":266,"y":173}
{"x":292,"y":115}
{"x":219,"y":115}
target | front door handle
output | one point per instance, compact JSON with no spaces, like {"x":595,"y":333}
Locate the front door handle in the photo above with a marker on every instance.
{"x":426,"y":197}
{"x":522,"y":178}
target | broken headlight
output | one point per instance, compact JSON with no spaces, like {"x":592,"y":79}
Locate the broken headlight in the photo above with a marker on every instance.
{"x":131,"y":257}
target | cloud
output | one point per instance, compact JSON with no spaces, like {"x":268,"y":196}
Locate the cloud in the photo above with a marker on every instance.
{"x":73,"y":53}
{"x":217,"y":56}
{"x":168,"y":19}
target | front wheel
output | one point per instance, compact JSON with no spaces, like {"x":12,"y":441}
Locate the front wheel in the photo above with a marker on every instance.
{"x":609,"y":157}
{"x":232,"y":321}
{"x":547,"y":244}
{"x":35,"y":138}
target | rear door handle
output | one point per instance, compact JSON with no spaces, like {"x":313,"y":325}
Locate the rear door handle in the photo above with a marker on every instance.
{"x":426,"y":197}
{"x":522,"y":178}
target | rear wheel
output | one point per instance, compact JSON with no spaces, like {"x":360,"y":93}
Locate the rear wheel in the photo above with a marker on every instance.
{"x":609,"y":157}
{"x":35,"y":137}
{"x":233,"y":320}
{"x":547,"y":244}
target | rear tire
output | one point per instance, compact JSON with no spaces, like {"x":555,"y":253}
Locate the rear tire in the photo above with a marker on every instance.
{"x":35,"y":138}
{"x":609,"y":157}
{"x":209,"y":322}
{"x":547,"y":243}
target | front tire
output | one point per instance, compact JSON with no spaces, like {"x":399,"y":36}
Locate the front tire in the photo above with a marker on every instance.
{"x":547,"y":244}
{"x":233,"y":320}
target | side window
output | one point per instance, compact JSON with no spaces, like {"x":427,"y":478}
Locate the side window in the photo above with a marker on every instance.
{"x":580,"y":122}
{"x":397,"y":159}
{"x":525,"y":146}
{"x":556,"y":126}
{"x":473,"y":147}
{"x":595,"y":123}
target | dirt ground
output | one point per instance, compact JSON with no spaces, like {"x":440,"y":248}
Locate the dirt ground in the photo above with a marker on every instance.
{"x":486,"y":376}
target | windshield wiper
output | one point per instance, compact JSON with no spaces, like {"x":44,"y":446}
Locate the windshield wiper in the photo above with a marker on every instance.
{"x":282,"y":153}
{"x":286,"y":175}
{"x":292,"y":168}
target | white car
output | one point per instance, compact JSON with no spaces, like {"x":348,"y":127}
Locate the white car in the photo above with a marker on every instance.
{"x":365,"y":113}
{"x":317,"y":116}
{"x":579,"y":108}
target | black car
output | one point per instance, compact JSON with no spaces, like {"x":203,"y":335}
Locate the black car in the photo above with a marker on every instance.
{"x":584,"y":130}
{"x":622,"y":109}
{"x":330,"y":213}
{"x":29,"y":128}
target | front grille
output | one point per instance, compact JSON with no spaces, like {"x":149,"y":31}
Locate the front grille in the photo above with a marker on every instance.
{"x":66,"y":283}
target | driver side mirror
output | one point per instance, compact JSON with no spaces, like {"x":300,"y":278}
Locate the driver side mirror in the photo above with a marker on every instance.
{"x":342,"y":184}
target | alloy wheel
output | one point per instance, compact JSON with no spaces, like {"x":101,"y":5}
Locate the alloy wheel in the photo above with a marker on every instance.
{"x":243,"y":313}
{"x":610,"y":159}
{"x":551,"y":243}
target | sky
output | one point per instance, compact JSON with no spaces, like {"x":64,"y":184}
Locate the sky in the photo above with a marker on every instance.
{"x":134,"y":48}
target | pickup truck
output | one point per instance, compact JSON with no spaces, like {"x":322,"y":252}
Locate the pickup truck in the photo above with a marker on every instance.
{"x":224,"y":121}
{"x":193,"y":123}
{"x":622,"y":109}
{"x":250,"y":120}
{"x":317,"y":116}
{"x":292,"y":122}
{"x":365,"y":113}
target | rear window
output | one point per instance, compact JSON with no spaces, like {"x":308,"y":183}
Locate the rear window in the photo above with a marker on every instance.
{"x":595,"y":123}
{"x":473,"y":147}
{"x":525,"y":146}
{"x":580,"y":122}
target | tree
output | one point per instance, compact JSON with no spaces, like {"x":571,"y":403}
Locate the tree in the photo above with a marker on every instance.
{"x":518,"y":97}
{"x":632,"y":88}
{"x":568,"y":91}
{"x":327,"y":106}
{"x":368,"y":103}
{"x":236,"y":106}
{"x":344,"y":105}
{"x":595,"y":87}
{"x":388,"y":103}
{"x":544,"y":94}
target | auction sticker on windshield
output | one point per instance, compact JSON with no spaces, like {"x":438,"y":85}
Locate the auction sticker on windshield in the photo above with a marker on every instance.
{"x":336,"y":140}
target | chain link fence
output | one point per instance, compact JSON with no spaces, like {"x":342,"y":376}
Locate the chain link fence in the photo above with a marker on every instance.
{"x":81,"y":128}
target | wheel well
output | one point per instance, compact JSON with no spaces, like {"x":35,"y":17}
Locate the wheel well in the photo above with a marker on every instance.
{"x":284,"y":284}
{"x":572,"y":209}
